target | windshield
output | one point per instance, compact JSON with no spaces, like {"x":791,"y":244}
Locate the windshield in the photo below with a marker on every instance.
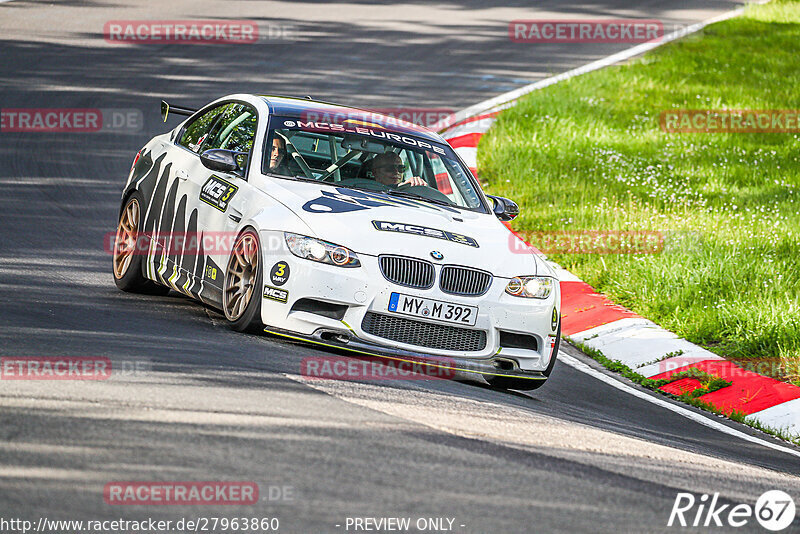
{"x":366,"y":156}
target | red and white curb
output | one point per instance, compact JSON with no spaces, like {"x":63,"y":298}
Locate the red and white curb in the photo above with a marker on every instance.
{"x":592,"y":319}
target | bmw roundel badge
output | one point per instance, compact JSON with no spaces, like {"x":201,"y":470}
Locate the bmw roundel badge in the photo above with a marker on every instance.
{"x":436,"y":255}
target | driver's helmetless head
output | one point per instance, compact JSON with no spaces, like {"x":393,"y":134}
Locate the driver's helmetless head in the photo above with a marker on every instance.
{"x":277,"y":152}
{"x":388,"y":168}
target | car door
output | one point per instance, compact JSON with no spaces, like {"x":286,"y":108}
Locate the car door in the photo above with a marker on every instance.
{"x":220,"y":197}
{"x":178,"y":255}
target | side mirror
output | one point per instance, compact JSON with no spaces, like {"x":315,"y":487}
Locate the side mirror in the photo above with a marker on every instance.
{"x":504,"y":209}
{"x":218,"y":159}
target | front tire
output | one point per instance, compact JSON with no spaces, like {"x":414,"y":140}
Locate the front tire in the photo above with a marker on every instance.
{"x":241,"y":293}
{"x":127,"y":264}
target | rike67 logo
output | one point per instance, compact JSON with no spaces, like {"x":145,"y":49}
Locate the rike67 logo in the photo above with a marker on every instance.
{"x":774,"y":510}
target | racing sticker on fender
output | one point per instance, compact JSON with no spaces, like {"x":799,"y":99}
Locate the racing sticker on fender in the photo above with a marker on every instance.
{"x":218,"y":193}
{"x":424,"y":231}
{"x":279,"y":273}
{"x":273,"y":293}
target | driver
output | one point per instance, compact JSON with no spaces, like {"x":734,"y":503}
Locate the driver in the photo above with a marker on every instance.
{"x":387,"y":169}
{"x":277,"y":155}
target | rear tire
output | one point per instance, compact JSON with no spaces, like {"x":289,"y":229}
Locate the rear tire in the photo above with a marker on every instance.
{"x":127,"y":261}
{"x":527,"y":384}
{"x":241,"y":292}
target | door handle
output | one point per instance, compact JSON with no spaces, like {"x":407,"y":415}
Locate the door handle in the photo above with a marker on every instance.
{"x":182,"y":175}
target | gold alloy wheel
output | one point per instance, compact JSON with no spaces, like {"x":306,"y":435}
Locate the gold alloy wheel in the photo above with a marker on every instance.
{"x":125,"y":240}
{"x":240,"y":276}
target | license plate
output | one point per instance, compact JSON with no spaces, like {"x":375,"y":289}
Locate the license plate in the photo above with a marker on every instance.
{"x":433,"y":309}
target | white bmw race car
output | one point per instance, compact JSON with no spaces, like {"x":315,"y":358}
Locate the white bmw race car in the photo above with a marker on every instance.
{"x":341,"y":227}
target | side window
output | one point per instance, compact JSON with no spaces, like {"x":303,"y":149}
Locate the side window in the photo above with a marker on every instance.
{"x":443,"y":181}
{"x":235,"y":130}
{"x":195,"y":133}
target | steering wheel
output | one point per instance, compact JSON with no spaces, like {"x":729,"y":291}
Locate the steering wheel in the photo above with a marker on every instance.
{"x":425,"y":192}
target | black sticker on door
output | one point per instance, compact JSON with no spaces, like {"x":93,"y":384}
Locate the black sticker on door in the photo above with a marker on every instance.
{"x":218,"y":192}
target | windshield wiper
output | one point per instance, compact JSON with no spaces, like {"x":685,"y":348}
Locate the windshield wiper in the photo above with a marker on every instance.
{"x":415,"y":196}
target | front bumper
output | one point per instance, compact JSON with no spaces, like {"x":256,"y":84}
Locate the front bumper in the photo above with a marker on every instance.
{"x":463,"y":368}
{"x":363,"y":290}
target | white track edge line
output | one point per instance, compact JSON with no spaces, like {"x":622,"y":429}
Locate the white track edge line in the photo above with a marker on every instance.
{"x":505,"y":98}
{"x":694,"y":416}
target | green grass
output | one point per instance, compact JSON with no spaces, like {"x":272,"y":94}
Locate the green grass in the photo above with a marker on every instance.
{"x":588,"y":154}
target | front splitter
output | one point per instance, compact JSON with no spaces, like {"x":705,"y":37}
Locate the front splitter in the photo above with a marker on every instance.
{"x":463,"y":368}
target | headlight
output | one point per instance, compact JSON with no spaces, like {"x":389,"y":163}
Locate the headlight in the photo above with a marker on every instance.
{"x":536,"y":287}
{"x":321,"y":251}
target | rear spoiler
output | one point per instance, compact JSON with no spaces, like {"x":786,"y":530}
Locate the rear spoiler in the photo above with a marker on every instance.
{"x":177,"y":110}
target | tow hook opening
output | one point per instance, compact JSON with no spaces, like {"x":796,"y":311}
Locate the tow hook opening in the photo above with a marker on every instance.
{"x":505,"y":365}
{"x":336,"y":337}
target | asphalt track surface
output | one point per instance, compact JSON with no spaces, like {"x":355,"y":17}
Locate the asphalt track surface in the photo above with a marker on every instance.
{"x":199,"y":402}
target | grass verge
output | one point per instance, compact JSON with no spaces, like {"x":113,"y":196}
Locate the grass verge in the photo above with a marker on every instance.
{"x":589,"y":154}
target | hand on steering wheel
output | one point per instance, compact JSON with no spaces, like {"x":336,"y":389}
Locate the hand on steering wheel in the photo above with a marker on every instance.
{"x":414,"y":180}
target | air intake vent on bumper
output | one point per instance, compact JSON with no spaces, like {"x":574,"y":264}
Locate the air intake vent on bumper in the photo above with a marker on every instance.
{"x":432,"y":336}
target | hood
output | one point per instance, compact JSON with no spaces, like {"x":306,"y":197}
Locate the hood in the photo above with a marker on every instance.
{"x":372,"y":223}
